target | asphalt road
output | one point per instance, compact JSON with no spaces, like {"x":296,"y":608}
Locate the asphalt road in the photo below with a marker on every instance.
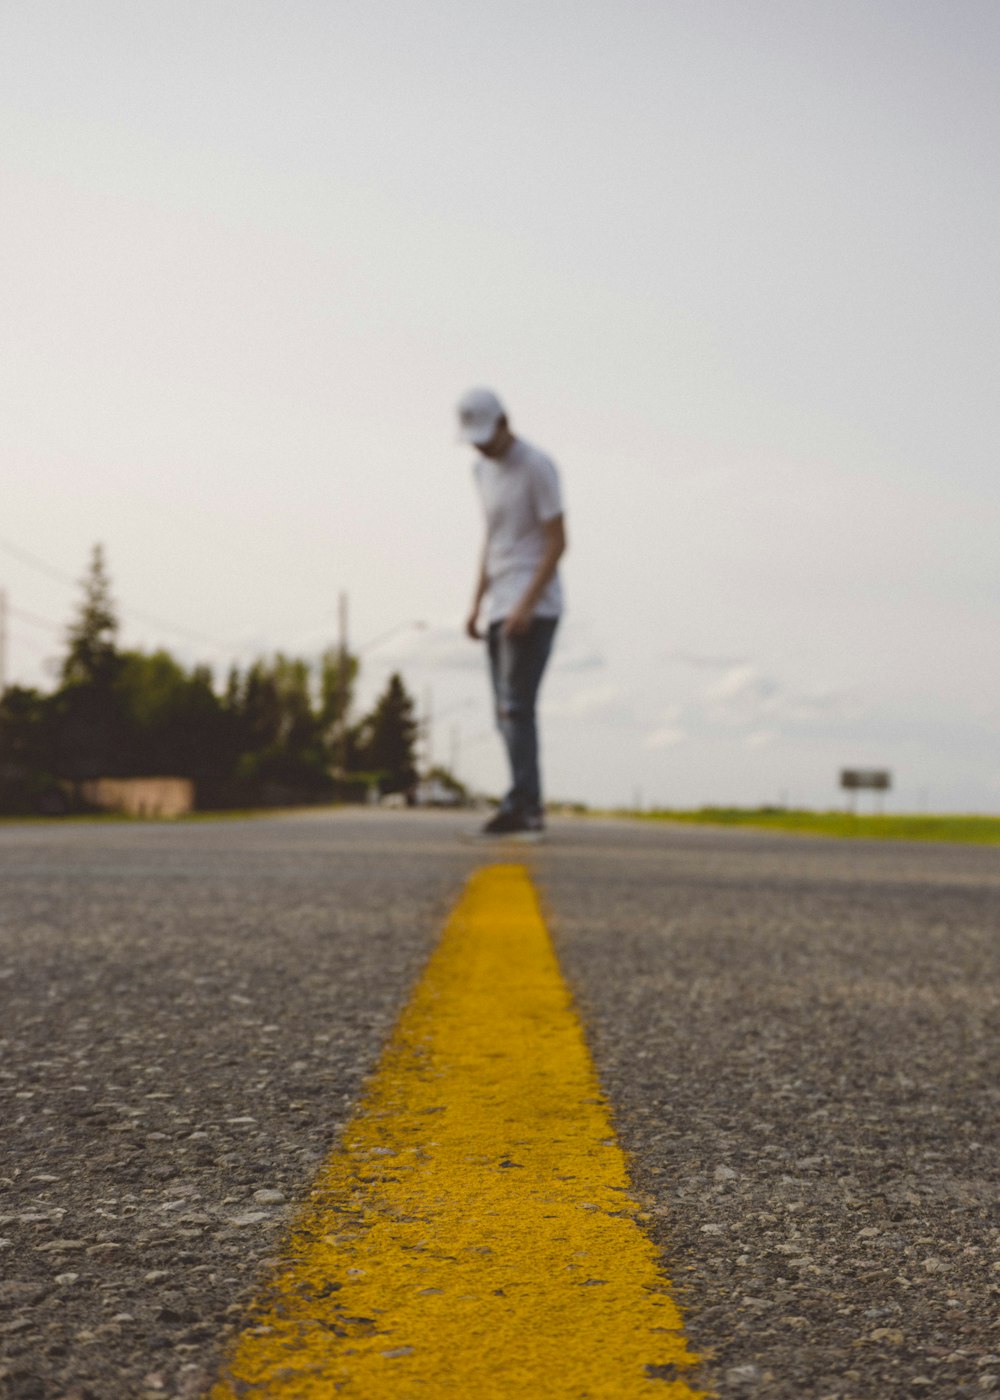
{"x":798,"y":1038}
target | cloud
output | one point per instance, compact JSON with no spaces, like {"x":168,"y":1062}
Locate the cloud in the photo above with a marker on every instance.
{"x":761,"y":739}
{"x":605,"y":702}
{"x":580,"y":661}
{"x":702,"y":662}
{"x":668,"y":736}
{"x":740,"y":682}
{"x":742,"y":697}
{"x":826,"y":705}
{"x":757,"y":708}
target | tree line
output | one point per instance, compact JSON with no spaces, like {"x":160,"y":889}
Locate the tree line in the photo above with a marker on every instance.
{"x":278,"y":731}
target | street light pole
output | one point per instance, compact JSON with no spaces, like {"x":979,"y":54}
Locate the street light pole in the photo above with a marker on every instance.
{"x":342,"y":685}
{"x":428,"y":729}
{"x":343,"y":677}
{"x":3,"y":641}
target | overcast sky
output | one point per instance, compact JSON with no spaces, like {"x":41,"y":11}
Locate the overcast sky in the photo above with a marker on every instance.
{"x":733,"y":263}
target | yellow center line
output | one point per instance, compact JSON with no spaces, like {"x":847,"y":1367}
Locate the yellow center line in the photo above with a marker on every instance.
{"x":473,"y":1236}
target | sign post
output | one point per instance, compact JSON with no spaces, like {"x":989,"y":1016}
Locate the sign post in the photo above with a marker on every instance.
{"x":877,"y":780}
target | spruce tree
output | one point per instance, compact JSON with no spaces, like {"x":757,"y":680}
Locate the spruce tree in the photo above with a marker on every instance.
{"x":93,"y":637}
{"x":391,"y":738}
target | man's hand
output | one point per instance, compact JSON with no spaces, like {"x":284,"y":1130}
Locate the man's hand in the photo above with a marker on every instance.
{"x":472,"y":628}
{"x":518,"y":620}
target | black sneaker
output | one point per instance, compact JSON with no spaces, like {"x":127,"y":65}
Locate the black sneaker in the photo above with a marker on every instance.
{"x":516,"y":825}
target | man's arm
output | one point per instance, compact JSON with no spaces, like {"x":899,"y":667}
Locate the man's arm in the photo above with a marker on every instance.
{"x":482,"y":583}
{"x":519,"y":620}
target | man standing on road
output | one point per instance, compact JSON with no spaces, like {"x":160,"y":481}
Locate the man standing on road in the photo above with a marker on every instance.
{"x":525,"y":539}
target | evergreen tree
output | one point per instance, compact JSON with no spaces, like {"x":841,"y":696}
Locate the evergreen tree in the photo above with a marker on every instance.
{"x":279,"y":732}
{"x":388,"y":739}
{"x":93,"y":637}
{"x":90,"y":728}
{"x":27,"y":755}
{"x":173,"y":722}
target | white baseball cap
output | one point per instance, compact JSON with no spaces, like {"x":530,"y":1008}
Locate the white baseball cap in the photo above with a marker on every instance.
{"x":479,"y":412}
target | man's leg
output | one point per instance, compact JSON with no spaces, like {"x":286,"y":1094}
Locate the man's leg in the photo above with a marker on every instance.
{"x":516,"y":668}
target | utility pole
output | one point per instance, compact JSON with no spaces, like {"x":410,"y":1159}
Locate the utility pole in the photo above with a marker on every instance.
{"x":342,"y":686}
{"x":3,"y":641}
{"x":428,"y":730}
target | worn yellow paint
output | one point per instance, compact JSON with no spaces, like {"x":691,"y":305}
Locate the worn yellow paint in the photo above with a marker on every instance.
{"x":474,"y":1235}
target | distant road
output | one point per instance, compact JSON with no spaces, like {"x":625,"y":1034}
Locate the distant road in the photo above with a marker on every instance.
{"x":798,"y":1038}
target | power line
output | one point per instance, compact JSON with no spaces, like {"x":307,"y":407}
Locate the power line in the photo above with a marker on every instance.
{"x":189,"y":633}
{"x":26,"y":557}
{"x":35,"y":621}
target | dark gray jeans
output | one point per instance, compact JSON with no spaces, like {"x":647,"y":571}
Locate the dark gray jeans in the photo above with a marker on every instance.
{"x":516,"y":668}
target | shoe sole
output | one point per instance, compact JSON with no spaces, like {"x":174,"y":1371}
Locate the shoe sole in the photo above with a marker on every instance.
{"x":524,"y":838}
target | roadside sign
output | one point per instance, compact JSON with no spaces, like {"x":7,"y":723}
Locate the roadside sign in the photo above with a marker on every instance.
{"x":878,"y":778}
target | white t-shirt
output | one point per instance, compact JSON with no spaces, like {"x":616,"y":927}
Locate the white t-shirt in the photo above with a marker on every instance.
{"x":520,"y":493}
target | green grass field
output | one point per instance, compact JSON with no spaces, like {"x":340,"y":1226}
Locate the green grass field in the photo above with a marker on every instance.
{"x":981,"y":830}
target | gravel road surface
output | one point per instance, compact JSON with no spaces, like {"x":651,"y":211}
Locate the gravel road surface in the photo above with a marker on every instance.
{"x":800,"y":1040}
{"x":798,"y":1036}
{"x":188,"y":1012}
